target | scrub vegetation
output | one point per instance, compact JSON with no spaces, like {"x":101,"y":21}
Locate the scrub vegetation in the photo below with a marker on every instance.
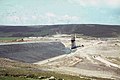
{"x":14,"y":70}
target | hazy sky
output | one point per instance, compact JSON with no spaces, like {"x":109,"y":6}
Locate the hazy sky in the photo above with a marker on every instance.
{"x":24,"y":12}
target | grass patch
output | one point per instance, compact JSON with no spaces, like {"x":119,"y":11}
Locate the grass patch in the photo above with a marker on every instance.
{"x":15,"y":78}
{"x":14,"y":70}
{"x":114,"y":60}
{"x":25,"y":74}
{"x":9,"y":39}
{"x":34,"y":74}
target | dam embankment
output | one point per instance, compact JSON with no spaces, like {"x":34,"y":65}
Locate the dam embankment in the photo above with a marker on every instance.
{"x":32,"y":52}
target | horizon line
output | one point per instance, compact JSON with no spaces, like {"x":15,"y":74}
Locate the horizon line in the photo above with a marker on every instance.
{"x":55,"y":24}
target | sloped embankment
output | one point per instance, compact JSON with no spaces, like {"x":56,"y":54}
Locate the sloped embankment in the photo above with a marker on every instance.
{"x":32,"y":52}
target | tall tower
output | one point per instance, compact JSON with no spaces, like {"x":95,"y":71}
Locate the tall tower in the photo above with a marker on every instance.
{"x":73,"y":45}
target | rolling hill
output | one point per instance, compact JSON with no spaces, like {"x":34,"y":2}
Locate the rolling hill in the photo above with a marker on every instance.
{"x":94,"y":30}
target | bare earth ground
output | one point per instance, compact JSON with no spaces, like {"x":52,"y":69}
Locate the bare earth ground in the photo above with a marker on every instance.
{"x":98,"y":58}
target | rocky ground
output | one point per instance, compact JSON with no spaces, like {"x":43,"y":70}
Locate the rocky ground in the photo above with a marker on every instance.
{"x":98,"y":58}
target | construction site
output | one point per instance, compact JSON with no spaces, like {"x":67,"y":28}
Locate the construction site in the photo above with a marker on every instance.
{"x":94,"y":57}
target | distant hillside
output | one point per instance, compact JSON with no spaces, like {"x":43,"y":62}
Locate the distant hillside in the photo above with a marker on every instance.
{"x":94,"y":30}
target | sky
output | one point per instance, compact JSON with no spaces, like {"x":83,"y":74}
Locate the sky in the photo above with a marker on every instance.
{"x":50,"y":12}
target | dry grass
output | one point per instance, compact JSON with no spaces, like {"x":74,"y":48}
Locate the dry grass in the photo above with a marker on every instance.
{"x":115,"y":60}
{"x":10,"y":70}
